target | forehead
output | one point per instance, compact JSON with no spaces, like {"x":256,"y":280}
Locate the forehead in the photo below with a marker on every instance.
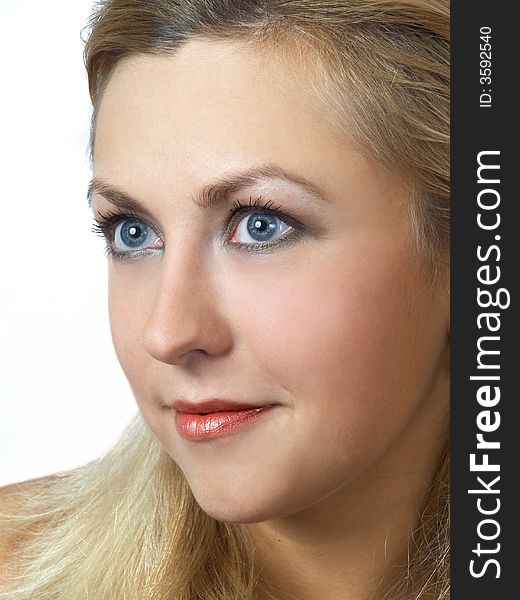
{"x":207,"y":92}
{"x":207,"y":106}
{"x":171,"y":123}
{"x":227,"y":77}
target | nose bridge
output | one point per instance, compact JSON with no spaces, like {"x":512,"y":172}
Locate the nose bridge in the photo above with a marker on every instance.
{"x":184,"y":315}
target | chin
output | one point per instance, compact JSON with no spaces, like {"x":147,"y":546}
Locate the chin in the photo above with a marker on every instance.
{"x":238,"y":510}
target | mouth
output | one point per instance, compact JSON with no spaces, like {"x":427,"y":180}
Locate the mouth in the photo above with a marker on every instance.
{"x":194,"y":426}
{"x":214,"y":405}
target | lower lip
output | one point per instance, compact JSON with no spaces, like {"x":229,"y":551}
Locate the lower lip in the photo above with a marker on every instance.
{"x":196,"y":427}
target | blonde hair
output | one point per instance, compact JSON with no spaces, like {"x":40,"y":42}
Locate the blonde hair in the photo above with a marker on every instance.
{"x":127,"y":526}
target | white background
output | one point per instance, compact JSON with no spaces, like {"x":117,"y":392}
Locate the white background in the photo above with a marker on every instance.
{"x":63,"y":397}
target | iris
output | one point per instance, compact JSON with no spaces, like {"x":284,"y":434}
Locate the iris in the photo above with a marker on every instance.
{"x":133,"y":233}
{"x":261,"y":226}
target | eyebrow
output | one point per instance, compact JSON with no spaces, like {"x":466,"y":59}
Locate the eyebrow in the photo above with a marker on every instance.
{"x":212,"y":194}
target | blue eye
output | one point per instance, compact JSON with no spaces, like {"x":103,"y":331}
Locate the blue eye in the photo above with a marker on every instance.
{"x":126,"y":236}
{"x":133,"y":234}
{"x":259,"y":227}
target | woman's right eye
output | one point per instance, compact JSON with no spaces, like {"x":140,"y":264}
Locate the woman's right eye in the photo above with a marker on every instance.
{"x":126,"y":236}
{"x":134,"y":234}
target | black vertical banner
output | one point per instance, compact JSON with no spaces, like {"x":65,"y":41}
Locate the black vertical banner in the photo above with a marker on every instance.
{"x":484,"y":302}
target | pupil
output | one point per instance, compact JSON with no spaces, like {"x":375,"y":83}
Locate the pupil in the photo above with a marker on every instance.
{"x":260,"y":227}
{"x":133,"y":233}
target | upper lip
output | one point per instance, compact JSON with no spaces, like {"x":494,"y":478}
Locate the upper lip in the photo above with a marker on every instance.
{"x":213,"y":405}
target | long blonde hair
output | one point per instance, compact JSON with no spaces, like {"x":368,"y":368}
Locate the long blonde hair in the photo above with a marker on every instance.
{"x":127,"y":526}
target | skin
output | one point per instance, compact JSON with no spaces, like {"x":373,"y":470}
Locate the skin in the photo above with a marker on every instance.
{"x":340,"y":327}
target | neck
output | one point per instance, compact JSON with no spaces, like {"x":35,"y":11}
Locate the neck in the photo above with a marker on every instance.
{"x":354,"y":544}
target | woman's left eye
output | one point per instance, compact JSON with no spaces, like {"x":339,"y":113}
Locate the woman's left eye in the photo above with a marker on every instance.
{"x":257,"y":228}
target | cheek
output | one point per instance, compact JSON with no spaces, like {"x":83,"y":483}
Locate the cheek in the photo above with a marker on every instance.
{"x":129,"y":305}
{"x":346,"y":337}
{"x":352,"y":343}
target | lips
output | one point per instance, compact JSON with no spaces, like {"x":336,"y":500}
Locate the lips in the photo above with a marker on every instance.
{"x":216,"y":417}
{"x":212,"y":406}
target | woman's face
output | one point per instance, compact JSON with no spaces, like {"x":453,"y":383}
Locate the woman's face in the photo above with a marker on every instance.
{"x":320,"y":308}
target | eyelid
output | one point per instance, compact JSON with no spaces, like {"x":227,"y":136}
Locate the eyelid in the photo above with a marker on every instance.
{"x":106,"y":222}
{"x":116,"y":211}
{"x":240,"y":209}
{"x":105,"y":226}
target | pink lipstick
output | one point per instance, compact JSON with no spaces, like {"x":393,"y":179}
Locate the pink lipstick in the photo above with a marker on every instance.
{"x":196,"y":427}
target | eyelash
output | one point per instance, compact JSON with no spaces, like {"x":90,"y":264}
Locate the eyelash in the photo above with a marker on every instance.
{"x":105,"y":223}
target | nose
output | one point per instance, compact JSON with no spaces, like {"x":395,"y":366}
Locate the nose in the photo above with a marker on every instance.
{"x":186,"y":318}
